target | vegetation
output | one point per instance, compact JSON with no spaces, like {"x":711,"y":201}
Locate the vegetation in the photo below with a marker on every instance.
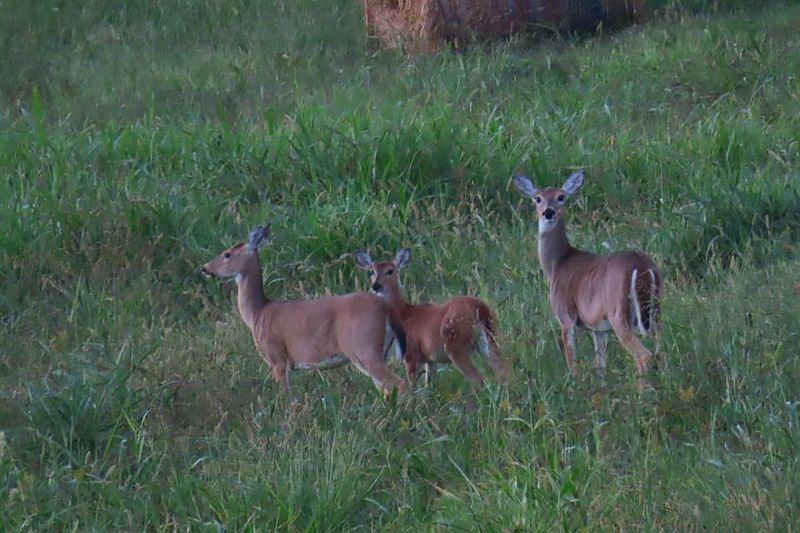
{"x":139,"y":139}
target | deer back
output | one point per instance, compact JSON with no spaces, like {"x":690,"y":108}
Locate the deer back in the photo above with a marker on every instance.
{"x":310,"y":330}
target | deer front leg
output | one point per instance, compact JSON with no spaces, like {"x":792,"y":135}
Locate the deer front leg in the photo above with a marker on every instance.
{"x":411,"y":372}
{"x":274,"y":356}
{"x":280,"y":373}
{"x":430,"y":371}
{"x":568,"y":340}
{"x":411,"y":360}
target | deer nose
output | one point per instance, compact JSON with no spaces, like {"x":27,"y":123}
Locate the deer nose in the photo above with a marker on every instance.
{"x":205,"y":272}
{"x":549,"y":213}
{"x":377,"y":287}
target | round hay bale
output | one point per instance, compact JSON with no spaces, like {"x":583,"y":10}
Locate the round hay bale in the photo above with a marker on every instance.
{"x":423,"y":25}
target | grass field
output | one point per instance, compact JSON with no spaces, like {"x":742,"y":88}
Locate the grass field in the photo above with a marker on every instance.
{"x":139,"y":139}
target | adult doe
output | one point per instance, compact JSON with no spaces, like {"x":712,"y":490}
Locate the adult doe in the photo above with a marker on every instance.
{"x":437,"y":333}
{"x":618,"y":292}
{"x":310,"y":334}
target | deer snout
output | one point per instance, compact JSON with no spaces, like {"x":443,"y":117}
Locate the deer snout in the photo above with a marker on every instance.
{"x":205,"y":272}
{"x":377,"y":287}
{"x":549,"y":213}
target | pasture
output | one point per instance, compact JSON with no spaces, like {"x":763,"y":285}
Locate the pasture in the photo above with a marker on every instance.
{"x":138,"y":140}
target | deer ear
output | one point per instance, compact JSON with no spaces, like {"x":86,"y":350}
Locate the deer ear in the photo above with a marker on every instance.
{"x":525,"y":187}
{"x":573,"y":183}
{"x":402,"y":258}
{"x":258,"y":237}
{"x":363,"y":260}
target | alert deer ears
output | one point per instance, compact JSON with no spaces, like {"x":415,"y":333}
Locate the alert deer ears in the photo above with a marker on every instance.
{"x":525,"y":187}
{"x":573,"y":183}
{"x":402,"y":258}
{"x":258,"y":237}
{"x":363,"y":260}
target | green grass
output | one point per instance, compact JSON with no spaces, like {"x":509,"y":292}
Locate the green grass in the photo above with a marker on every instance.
{"x":139,"y":140}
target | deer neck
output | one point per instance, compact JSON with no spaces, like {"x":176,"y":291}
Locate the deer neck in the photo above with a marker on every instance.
{"x":395,"y":298}
{"x":553,"y":247}
{"x":250,"y":297}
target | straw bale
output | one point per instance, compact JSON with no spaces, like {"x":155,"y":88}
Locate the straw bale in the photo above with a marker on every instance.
{"x":422,"y":25}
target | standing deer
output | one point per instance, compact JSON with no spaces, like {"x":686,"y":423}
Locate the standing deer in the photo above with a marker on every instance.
{"x":437,"y":333}
{"x":310,"y":334}
{"x":618,"y":292}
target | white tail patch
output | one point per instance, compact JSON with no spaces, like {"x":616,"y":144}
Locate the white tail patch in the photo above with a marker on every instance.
{"x":636,"y":318}
{"x":652,"y":322}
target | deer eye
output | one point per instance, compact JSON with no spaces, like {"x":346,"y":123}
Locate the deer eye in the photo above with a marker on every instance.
{"x":560,"y":198}
{"x":389,"y":272}
{"x":537,"y":199}
{"x":226,"y":255}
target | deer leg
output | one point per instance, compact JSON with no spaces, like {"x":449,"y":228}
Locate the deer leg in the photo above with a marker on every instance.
{"x":411,"y":372}
{"x":430,"y":371}
{"x":634,"y":346}
{"x":280,"y":373}
{"x":491,"y":351}
{"x":600,"y":339}
{"x":375,"y":368}
{"x":411,"y":360}
{"x":568,"y":340}
{"x":458,"y":352}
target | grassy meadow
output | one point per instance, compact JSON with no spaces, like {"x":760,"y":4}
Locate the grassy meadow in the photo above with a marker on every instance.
{"x":139,"y":139}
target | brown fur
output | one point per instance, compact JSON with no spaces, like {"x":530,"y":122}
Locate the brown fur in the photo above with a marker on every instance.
{"x":310,"y":333}
{"x":439,"y":333}
{"x":589,"y":290}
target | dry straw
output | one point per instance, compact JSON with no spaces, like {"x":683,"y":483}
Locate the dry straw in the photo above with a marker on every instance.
{"x":423,"y":25}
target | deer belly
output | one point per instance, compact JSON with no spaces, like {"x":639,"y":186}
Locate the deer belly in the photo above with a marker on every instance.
{"x":603,"y":325}
{"x":327,"y":362}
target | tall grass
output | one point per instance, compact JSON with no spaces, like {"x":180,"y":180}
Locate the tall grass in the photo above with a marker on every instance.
{"x":138,"y":140}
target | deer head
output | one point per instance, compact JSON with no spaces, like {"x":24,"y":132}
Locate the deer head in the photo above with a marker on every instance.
{"x":384,"y":276}
{"x":237,"y":259}
{"x":549,"y":202}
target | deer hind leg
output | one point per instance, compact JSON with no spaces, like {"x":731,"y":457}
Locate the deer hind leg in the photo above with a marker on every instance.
{"x":630,"y":341}
{"x":600,"y":339}
{"x":375,"y":367}
{"x":458,"y":350}
{"x":490,"y":350}
{"x":568,"y":340}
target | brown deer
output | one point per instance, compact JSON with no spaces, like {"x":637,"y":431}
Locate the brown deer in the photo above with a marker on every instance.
{"x":437,"y":333}
{"x":310,"y":334}
{"x":618,"y":292}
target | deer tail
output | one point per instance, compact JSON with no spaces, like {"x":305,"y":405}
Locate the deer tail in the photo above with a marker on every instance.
{"x":644,"y":300}
{"x":487,"y":342}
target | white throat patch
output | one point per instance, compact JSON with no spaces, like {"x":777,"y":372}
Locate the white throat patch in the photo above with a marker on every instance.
{"x":547,"y":225}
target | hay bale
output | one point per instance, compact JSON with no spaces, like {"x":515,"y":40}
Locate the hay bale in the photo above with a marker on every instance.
{"x":423,"y":25}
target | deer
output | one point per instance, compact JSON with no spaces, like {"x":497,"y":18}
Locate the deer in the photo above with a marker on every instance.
{"x":310,"y":334}
{"x":619,"y":292}
{"x":437,"y":333}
